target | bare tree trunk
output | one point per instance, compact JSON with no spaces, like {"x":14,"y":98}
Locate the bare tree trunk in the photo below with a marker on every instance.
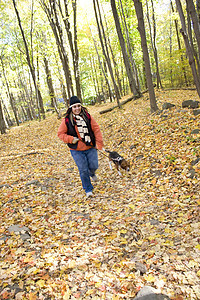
{"x":51,"y":12}
{"x":198,"y":10}
{"x":31,"y":67}
{"x":191,"y":39}
{"x":179,"y":46}
{"x":105,"y":47}
{"x":102,"y":69}
{"x":10,"y":95}
{"x":116,"y":69}
{"x":29,"y":96}
{"x":24,"y":92}
{"x":94,"y":79}
{"x":50,"y":85}
{"x":63,"y":89}
{"x":132,"y":82}
{"x":2,"y":122}
{"x":8,"y":120}
{"x":193,"y":14}
{"x":130,"y":50}
{"x":141,"y":29}
{"x":153,"y":42}
{"x":187,"y":46}
{"x":72,"y":41}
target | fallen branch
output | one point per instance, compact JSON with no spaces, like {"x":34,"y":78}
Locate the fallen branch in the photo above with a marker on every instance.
{"x":14,"y":156}
{"x":111,"y":108}
{"x":122,"y":103}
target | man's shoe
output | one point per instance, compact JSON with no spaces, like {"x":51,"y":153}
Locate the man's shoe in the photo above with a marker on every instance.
{"x":94,"y":178}
{"x":89,"y":194}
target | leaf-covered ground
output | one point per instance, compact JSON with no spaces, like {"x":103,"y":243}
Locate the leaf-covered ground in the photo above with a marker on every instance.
{"x":139,"y":229}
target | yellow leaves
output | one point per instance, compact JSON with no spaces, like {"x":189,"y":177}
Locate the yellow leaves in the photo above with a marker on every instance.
{"x":197,"y":246}
{"x":90,"y":292}
{"x":111,"y":237}
{"x":153,"y":181}
{"x":149,"y":278}
{"x":179,"y":220}
{"x":168,"y":243}
{"x":93,"y":245}
{"x":161,"y":188}
{"x":40,"y":283}
{"x":67,"y":294}
{"x":132,"y":206}
{"x":32,"y":296}
{"x":123,"y":241}
{"x":71,"y":264}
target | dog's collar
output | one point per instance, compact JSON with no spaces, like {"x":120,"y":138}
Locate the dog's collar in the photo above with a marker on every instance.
{"x":118,"y":159}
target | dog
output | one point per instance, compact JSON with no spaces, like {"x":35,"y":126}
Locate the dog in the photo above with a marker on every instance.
{"x":119,"y":161}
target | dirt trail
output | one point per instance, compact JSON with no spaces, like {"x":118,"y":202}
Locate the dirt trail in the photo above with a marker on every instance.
{"x":139,"y":229}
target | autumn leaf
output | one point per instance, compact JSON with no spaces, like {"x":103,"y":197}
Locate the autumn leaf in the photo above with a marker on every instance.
{"x":141,"y":228}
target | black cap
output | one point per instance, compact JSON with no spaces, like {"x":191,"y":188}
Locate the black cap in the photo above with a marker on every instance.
{"x":74,"y":100}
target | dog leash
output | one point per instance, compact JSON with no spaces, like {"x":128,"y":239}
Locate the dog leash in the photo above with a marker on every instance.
{"x":96,"y":148}
{"x":102,"y":152}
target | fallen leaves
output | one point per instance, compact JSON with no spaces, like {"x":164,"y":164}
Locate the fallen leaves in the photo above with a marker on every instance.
{"x":139,"y":229}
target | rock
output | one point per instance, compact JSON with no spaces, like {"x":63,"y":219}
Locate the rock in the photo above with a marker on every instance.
{"x":194,"y":162}
{"x":4,"y":185}
{"x":145,"y":246}
{"x":190,"y":104}
{"x":196,"y":112}
{"x":141,"y":267}
{"x":195,"y":131}
{"x":34,"y":182}
{"x":154,"y":222}
{"x":146,"y":290}
{"x":150,"y":293}
{"x":25,"y":236}
{"x":192,"y":173}
{"x":167,"y":105}
{"x":17,"y":228}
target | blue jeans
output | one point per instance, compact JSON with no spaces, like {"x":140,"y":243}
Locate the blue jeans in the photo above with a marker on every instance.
{"x":87,"y":163}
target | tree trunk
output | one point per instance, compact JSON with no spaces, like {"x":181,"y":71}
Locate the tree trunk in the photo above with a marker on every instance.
{"x":198,"y":10}
{"x":102,"y":69}
{"x":63,"y":89}
{"x":179,"y":46}
{"x":187,"y":46}
{"x":31,"y":67}
{"x":141,"y":29}
{"x":193,"y":14}
{"x":93,"y":76}
{"x":132,"y":82}
{"x":8,"y":120}
{"x":153,"y":41}
{"x":52,"y":16}
{"x":116,"y":68}
{"x":50,"y":85}
{"x":10,"y":95}
{"x":72,"y":42}
{"x":2,"y":122}
{"x":105,"y":47}
{"x":130,"y":52}
{"x":192,"y":40}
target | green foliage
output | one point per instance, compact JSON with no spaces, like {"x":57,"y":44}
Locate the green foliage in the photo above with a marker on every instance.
{"x":173,"y":63}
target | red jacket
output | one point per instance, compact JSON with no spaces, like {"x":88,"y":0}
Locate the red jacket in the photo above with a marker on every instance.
{"x":62,"y":134}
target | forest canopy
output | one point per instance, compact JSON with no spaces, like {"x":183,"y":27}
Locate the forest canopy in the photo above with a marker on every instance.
{"x":98,"y":50}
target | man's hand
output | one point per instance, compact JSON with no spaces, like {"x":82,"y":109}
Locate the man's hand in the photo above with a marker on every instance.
{"x":75,"y":140}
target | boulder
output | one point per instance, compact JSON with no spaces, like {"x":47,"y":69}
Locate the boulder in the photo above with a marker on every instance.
{"x":150,"y":293}
{"x":167,"y":105}
{"x":190,"y":104}
{"x":196,"y":112}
